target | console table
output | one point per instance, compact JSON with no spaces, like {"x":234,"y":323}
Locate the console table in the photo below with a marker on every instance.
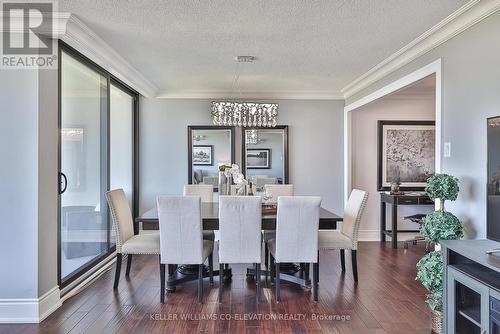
{"x":471,"y":287}
{"x":395,"y":201}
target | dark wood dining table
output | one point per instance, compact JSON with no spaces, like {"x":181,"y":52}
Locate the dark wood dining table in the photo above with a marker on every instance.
{"x":210,"y":220}
{"x":210,"y":217}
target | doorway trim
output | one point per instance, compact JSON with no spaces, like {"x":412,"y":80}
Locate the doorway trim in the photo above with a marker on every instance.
{"x":433,"y":68}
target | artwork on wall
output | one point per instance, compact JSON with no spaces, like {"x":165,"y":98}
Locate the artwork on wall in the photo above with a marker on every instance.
{"x":203,"y":155}
{"x":406,"y":153}
{"x":258,"y":158}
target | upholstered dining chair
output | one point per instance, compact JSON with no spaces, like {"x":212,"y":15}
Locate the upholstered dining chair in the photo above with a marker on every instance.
{"x":297,"y":225}
{"x":126,"y":242}
{"x":206,"y":192}
{"x":274,"y":190}
{"x":347,"y":237}
{"x":240,"y":234}
{"x":181,"y":238}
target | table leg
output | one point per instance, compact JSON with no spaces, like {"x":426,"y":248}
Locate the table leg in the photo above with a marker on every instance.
{"x":394,"y":226}
{"x":382,"y":220}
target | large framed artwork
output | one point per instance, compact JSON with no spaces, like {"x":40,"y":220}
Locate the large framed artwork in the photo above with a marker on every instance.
{"x":406,"y":154}
{"x":257,"y":158}
{"x":203,"y":155}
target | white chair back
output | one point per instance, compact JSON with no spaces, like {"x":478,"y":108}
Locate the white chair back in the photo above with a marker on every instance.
{"x":205,"y":191}
{"x":181,"y":240}
{"x":121,"y":215}
{"x":297,"y":229}
{"x":352,"y":214}
{"x":277,"y":190}
{"x":240,"y":229}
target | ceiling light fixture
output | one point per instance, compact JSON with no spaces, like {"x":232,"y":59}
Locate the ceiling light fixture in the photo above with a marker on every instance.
{"x":244,"y":114}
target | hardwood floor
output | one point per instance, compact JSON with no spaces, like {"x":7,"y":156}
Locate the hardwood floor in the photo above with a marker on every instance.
{"x":387,"y":299}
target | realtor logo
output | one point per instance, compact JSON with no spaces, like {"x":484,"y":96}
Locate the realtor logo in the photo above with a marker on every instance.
{"x":27,"y":30}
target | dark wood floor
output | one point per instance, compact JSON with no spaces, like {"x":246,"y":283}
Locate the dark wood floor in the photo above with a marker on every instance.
{"x":387,"y":299}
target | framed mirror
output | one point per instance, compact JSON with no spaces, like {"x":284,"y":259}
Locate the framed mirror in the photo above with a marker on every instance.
{"x":209,"y":147}
{"x":265,"y":155}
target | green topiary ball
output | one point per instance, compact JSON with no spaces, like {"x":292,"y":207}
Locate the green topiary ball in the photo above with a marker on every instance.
{"x":441,"y":225}
{"x":442,"y":186}
{"x":430,"y":274}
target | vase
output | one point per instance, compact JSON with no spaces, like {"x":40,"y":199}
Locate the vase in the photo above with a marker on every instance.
{"x":437,"y":322}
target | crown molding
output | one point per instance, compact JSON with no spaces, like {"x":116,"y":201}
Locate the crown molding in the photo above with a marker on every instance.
{"x":262,"y":95}
{"x":465,"y":17}
{"x":80,"y":37}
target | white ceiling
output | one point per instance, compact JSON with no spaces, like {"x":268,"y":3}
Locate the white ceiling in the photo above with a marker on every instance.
{"x":303,"y":47}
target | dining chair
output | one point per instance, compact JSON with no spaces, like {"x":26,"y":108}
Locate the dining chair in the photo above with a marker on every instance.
{"x":206,"y":192}
{"x":296,"y":241}
{"x":240,"y":234}
{"x":347,"y":236}
{"x":181,"y":238}
{"x":274,"y":190}
{"x":126,"y":242}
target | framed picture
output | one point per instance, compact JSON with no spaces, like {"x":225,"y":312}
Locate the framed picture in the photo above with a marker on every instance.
{"x":406,"y":153}
{"x":258,"y":158}
{"x":203,"y":155}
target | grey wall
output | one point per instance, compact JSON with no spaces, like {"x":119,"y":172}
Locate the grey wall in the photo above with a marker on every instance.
{"x":315,"y":146}
{"x":470,"y":94}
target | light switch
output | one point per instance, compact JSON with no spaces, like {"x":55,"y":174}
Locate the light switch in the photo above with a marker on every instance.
{"x":447,"y":150}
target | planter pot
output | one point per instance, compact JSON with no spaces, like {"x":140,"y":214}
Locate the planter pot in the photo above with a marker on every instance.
{"x":437,"y":322}
{"x":224,"y":184}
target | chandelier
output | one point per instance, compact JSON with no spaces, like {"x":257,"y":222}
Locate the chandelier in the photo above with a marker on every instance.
{"x":494,"y":122}
{"x":252,"y":137}
{"x":245,"y":114}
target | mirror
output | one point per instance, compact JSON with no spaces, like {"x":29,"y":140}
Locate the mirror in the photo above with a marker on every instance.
{"x":208,"y":147}
{"x":265,"y":155}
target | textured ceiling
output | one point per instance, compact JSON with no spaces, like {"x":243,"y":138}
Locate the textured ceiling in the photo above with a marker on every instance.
{"x":302,"y":46}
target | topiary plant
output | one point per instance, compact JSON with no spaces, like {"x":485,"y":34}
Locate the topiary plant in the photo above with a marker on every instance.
{"x":442,"y":186}
{"x":430,"y":274}
{"x":438,"y":225}
{"x":441,"y":225}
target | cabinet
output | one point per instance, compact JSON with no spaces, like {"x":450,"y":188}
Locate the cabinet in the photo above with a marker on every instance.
{"x":471,"y":287}
{"x":468,"y":304}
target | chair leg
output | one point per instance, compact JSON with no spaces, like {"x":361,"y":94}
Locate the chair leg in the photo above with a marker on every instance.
{"x":272,"y":267}
{"x":118,"y":269}
{"x":315,"y":281}
{"x":257,"y":282}
{"x":306,"y":272}
{"x":266,"y":256}
{"x":200,"y":284}
{"x":162,"y":283}
{"x":277,"y":282}
{"x":342,"y":259}
{"x":129,"y":264}
{"x":354,"y":265}
{"x":221,"y":281}
{"x":211,"y":268}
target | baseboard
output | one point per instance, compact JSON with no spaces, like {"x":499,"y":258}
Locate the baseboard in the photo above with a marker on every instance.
{"x":30,"y":310}
{"x":374,"y":235}
{"x":369,"y":235}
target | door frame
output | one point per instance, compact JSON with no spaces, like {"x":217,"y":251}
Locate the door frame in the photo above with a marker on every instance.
{"x":86,"y":270}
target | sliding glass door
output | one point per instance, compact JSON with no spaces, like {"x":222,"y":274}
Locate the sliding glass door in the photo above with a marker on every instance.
{"x":97,"y":116}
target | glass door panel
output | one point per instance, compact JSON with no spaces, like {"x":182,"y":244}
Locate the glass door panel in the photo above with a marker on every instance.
{"x":121,"y":143}
{"x":83,"y":218}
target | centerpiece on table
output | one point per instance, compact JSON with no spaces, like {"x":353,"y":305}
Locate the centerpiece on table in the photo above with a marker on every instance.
{"x":438,"y":225}
{"x":228,"y":175}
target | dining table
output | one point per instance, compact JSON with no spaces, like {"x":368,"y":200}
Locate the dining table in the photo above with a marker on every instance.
{"x":210,"y":221}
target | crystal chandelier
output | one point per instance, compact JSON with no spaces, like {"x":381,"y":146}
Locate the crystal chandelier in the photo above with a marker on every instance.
{"x":252,"y":137}
{"x":494,"y":122}
{"x":245,"y":114}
